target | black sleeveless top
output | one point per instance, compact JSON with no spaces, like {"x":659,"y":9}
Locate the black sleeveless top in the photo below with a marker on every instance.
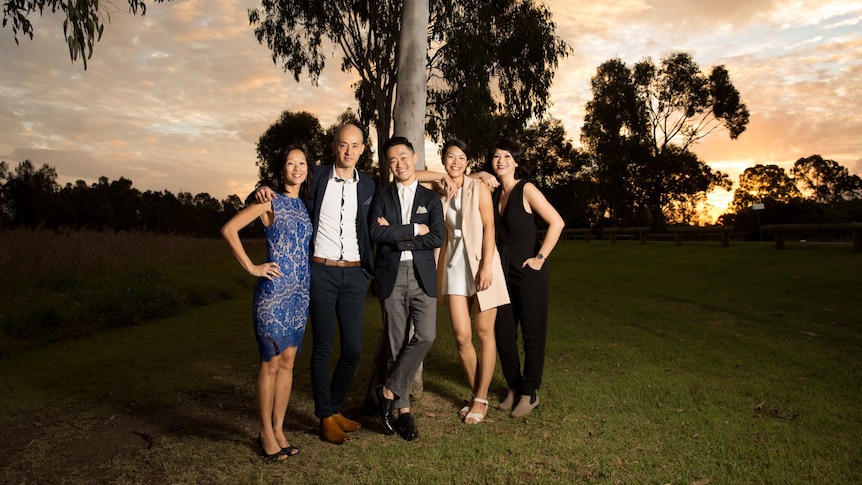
{"x":516,"y":230}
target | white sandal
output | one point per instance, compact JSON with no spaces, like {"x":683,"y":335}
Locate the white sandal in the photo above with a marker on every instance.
{"x":476,"y":418}
{"x":462,"y":413}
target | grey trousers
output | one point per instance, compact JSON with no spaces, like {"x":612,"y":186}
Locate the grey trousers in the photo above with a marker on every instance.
{"x":406,"y":353}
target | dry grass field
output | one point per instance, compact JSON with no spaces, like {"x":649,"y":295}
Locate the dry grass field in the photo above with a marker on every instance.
{"x":691,"y":365}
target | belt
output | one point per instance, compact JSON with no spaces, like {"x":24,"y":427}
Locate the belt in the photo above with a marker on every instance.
{"x":336,"y":262}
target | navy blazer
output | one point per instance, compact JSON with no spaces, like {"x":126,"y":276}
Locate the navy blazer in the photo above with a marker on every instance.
{"x":365,"y":195}
{"x":396,"y":237}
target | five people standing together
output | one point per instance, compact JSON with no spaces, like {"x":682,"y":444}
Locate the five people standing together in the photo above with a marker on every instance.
{"x":488,"y":255}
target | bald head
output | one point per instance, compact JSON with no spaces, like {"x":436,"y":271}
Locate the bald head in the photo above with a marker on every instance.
{"x":348,"y":145}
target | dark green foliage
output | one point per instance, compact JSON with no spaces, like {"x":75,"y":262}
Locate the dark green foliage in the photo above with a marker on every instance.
{"x":300,"y":128}
{"x":83,"y":26}
{"x":490,"y":64}
{"x":31,"y":197}
{"x":493,"y":69}
{"x":827,"y":180}
{"x":639,"y":128}
{"x":557,"y":169}
{"x":365,"y":31}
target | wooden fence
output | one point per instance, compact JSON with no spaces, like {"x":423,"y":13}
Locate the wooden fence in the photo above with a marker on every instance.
{"x":781,"y":231}
{"x":724,"y":233}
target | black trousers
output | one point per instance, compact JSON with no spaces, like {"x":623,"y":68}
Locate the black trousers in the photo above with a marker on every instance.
{"x":528,"y":290}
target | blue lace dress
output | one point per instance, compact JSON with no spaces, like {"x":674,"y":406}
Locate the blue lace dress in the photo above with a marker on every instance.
{"x":281,"y":306}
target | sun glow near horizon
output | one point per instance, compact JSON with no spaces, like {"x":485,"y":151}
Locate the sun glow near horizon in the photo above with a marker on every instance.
{"x":794,"y":62}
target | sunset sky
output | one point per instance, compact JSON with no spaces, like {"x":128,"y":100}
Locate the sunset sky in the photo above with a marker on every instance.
{"x":177,"y":99}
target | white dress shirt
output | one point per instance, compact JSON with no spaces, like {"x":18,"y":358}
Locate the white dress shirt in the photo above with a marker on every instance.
{"x":406,"y":195}
{"x":337,"y":236}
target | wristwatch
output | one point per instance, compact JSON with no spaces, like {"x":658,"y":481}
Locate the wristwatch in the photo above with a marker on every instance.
{"x":540,"y":256}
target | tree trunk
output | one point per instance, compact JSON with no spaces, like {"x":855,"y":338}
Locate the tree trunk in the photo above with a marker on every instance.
{"x":409,"y":121}
{"x":384,"y":123}
{"x":411,"y":94}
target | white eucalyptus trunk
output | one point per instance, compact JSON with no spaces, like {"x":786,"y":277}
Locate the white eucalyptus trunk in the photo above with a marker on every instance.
{"x":410,"y":96}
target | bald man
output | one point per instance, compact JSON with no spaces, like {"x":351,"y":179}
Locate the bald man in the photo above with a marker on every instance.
{"x":342,"y":263}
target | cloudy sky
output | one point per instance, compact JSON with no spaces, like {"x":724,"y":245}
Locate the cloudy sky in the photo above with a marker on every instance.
{"x":177,"y":99}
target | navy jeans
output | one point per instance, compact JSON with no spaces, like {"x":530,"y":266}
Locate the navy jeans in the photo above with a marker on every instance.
{"x":336,"y":293}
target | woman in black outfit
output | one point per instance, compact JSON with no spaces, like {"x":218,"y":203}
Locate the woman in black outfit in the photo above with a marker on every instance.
{"x":517,"y":202}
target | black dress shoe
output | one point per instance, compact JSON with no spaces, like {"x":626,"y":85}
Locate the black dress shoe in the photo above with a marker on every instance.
{"x":407,"y":427}
{"x":384,"y":410}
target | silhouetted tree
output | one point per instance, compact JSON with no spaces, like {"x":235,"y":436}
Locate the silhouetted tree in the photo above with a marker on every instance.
{"x":827,"y":180}
{"x":512,"y":68}
{"x":231,"y":205}
{"x":5,"y":216}
{"x":126,"y":204}
{"x":763,"y":184}
{"x":491,"y":70}
{"x":640,"y":125}
{"x":290,"y":129}
{"x":29,"y":196}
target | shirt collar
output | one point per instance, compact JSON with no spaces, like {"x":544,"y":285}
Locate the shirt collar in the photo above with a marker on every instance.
{"x":411,"y":187}
{"x":349,"y":181}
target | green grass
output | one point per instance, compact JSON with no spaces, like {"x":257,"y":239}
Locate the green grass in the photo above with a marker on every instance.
{"x":665,"y":364}
{"x":62,"y":285}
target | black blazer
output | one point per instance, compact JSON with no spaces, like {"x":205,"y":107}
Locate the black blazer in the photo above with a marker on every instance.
{"x":397,"y":237}
{"x":365,"y":194}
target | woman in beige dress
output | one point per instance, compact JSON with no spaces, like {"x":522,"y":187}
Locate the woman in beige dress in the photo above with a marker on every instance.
{"x":469,"y":270}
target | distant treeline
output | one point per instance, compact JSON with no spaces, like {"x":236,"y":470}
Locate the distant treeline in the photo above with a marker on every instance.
{"x":816,"y":191}
{"x":31,"y":197}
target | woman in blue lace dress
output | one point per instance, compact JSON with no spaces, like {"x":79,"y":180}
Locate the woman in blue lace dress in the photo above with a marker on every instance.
{"x":280,"y":296}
